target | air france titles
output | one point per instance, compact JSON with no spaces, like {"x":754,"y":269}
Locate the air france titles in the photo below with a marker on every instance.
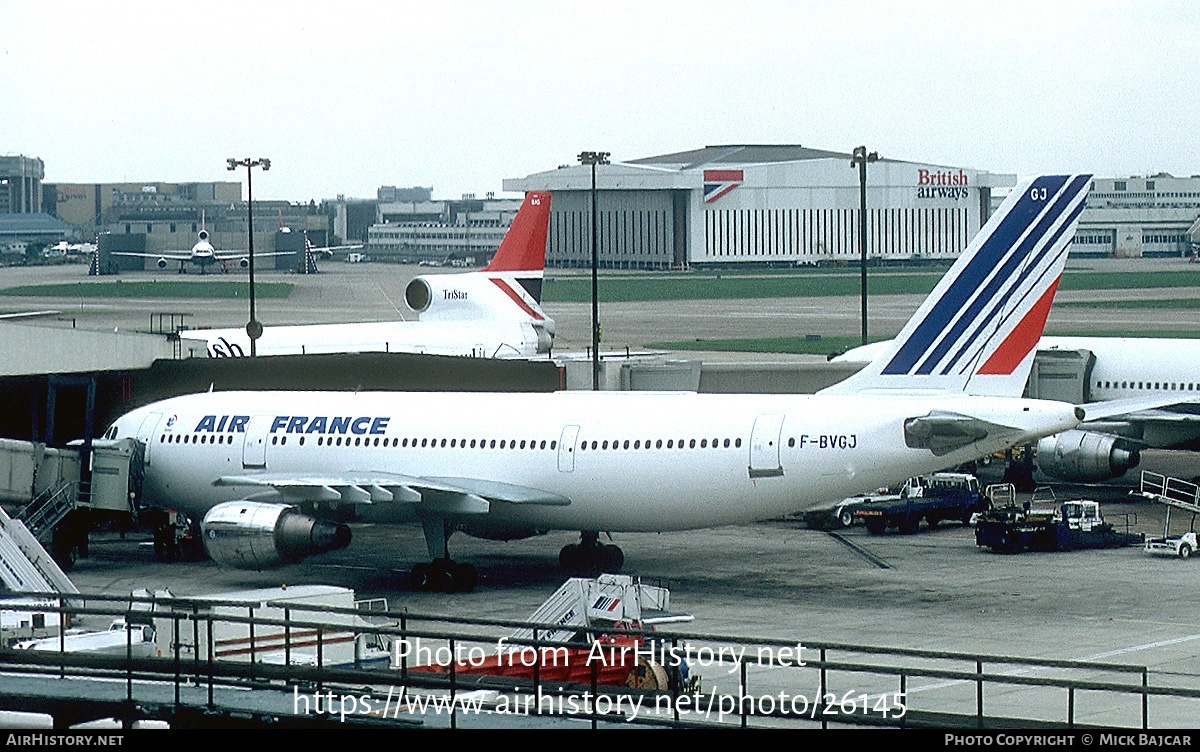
{"x":941,"y":184}
{"x":361,"y":425}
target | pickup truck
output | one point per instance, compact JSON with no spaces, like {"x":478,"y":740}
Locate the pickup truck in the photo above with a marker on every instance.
{"x":934,"y":498}
{"x":841,"y":514}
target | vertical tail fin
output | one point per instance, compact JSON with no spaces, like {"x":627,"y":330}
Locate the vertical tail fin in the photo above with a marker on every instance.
{"x":522,"y":252}
{"x":977,"y":331}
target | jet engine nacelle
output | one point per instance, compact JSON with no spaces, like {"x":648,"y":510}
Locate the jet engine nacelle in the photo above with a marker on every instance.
{"x":243,"y":262}
{"x":259,"y":535}
{"x":1085,"y":456}
{"x":457,"y":297}
{"x":162,"y":263}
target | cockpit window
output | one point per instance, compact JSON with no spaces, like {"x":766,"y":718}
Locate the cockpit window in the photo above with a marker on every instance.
{"x":112,"y":432}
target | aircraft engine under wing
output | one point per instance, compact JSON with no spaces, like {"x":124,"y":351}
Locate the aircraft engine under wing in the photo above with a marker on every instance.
{"x":256,"y":535}
{"x":1087,"y":456}
{"x":944,"y":432}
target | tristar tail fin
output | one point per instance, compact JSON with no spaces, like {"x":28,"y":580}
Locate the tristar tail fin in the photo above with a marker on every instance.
{"x":522,"y":252}
{"x":977,"y":331}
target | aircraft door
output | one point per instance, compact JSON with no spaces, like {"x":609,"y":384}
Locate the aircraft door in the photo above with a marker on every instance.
{"x":566,"y":449}
{"x":764,"y":446}
{"x":145,"y":434}
{"x":254,"y":448}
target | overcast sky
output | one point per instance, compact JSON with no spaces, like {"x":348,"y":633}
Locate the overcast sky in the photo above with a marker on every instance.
{"x":346,"y":96}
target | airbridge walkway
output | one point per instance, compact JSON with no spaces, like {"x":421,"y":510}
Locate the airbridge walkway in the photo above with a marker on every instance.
{"x":740,"y":682}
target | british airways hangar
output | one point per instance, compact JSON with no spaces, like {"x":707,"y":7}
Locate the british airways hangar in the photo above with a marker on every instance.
{"x":760,"y":205}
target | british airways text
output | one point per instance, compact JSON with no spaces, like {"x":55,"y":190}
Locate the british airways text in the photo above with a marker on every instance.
{"x":325,"y":424}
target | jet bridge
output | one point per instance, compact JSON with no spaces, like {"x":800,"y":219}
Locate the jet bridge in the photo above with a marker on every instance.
{"x":54,"y":498}
{"x":1063,"y":375}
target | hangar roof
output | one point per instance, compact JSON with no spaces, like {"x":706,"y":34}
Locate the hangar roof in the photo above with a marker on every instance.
{"x":30,"y":225}
{"x":740,"y":154}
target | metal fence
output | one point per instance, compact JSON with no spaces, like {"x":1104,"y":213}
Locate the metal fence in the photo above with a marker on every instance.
{"x":315,"y":665}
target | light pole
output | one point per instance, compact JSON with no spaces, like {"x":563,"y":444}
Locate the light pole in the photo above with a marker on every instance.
{"x":253,"y":327}
{"x":594,"y":158}
{"x":860,"y":159}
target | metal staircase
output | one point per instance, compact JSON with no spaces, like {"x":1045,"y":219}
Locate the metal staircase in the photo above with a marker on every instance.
{"x":25,"y":566}
{"x":49,"y":507}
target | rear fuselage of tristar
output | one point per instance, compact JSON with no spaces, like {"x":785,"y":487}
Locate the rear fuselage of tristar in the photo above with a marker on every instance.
{"x":626,"y":461}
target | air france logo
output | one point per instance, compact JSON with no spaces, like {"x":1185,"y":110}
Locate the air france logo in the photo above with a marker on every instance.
{"x":333,"y":424}
{"x":222,"y":424}
{"x":360,"y":425}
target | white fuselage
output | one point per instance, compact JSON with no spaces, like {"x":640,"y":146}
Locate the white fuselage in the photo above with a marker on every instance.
{"x":627,"y":461}
{"x":481,"y":339}
{"x":1136,"y":366}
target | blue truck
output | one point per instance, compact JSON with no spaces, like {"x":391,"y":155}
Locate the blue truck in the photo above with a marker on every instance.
{"x":935,"y":498}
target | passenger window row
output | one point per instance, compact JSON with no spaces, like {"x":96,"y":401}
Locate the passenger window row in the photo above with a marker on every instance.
{"x":370,"y":441}
{"x":1154,"y":385}
{"x":658,"y":444}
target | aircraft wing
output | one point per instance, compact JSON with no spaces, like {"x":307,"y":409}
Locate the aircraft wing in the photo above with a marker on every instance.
{"x":449,"y":495}
{"x":168,"y":255}
{"x":235,"y":256}
{"x":1149,"y":406}
{"x":316,"y":249}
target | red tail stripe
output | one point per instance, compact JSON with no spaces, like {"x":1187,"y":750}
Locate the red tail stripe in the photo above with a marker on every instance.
{"x":516,"y":297}
{"x":1021,"y":340}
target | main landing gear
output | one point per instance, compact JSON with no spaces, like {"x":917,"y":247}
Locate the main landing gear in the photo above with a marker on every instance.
{"x":442,"y":574}
{"x":590,"y":557}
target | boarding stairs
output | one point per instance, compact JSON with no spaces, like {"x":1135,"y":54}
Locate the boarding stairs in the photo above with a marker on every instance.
{"x":25,"y":566}
{"x":605,"y":602}
{"x":49,"y":507}
{"x":1170,"y":491}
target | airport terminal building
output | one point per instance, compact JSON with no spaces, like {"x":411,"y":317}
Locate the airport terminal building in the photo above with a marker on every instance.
{"x":760,"y":205}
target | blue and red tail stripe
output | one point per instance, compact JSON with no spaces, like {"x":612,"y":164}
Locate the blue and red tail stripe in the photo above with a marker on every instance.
{"x":1009,"y":256}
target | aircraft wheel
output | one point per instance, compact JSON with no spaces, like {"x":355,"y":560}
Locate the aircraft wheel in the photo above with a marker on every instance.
{"x":1185,"y":551}
{"x":570,"y":557}
{"x":466,"y":577}
{"x":423,"y":578}
{"x":846,"y":518}
{"x":611,"y":558}
{"x":447,"y":577}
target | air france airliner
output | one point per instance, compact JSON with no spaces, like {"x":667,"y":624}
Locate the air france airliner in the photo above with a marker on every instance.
{"x":1157,"y":379}
{"x":274,"y":475}
{"x":493,"y":313}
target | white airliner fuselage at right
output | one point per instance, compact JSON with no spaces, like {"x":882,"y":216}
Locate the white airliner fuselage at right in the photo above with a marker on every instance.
{"x":275,"y":474}
{"x":1163,"y":370}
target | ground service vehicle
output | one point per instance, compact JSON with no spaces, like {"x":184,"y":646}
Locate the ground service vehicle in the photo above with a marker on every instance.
{"x":934,"y":497}
{"x":1067,"y":526}
{"x":1177,"y":494}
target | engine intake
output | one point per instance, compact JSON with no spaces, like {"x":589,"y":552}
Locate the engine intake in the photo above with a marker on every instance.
{"x":257,"y":535}
{"x":1085,"y":456}
{"x":418,"y":295}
